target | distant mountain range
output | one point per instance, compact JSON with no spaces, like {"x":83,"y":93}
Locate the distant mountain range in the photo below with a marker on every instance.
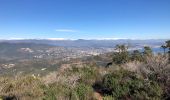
{"x":90,"y":43}
{"x":43,"y":48}
{"x":32,"y":55}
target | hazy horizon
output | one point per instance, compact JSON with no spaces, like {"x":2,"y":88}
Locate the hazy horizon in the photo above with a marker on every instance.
{"x":80,"y":39}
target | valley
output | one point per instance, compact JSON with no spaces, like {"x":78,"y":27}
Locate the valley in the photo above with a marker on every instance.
{"x":42,"y":57}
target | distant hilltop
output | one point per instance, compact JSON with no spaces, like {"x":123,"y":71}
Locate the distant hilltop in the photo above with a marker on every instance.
{"x":97,"y":43}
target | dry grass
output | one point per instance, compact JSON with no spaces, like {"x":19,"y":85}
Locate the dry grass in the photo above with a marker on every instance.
{"x":133,"y":66}
{"x":157,"y":65}
{"x":62,"y":84}
{"x":25,"y":88}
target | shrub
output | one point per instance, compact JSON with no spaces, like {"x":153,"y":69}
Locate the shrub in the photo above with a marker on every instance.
{"x":49,"y":93}
{"x":122,"y":54}
{"x":120,"y":58}
{"x":147,"y":51}
{"x":84,"y":92}
{"x":136,"y":56}
{"x":26,"y":87}
{"x":108,"y":98}
{"x":124,"y":84}
{"x":56,"y":91}
{"x":89,"y":75}
{"x":157,"y":69}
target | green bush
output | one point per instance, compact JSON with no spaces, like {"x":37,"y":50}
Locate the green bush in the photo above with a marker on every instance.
{"x":56,"y":91}
{"x":49,"y":93}
{"x":108,"y":98}
{"x":125,"y":84}
{"x":147,"y":51}
{"x":89,"y":75}
{"x":137,"y":56}
{"x":120,"y":58}
{"x":83,"y":92}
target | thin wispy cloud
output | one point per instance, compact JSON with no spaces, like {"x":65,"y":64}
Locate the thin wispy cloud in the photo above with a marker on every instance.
{"x":66,"y":30}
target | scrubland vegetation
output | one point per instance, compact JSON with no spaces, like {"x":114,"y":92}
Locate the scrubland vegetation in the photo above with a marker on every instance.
{"x":130,"y":76}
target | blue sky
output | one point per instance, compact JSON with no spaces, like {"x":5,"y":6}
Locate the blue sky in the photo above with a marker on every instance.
{"x":85,"y":19}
